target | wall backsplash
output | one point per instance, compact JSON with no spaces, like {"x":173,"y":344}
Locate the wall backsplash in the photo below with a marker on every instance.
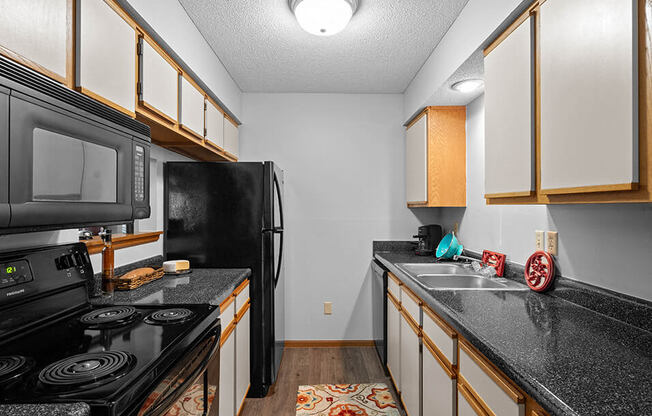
{"x":604,"y":245}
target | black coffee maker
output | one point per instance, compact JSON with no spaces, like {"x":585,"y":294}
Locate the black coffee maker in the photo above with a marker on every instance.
{"x":429,"y":237}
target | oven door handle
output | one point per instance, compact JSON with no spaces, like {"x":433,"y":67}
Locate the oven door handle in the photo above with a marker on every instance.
{"x":174,"y":395}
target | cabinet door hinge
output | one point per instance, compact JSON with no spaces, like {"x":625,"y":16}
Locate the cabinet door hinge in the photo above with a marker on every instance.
{"x":139,"y":47}
{"x":139,"y":88}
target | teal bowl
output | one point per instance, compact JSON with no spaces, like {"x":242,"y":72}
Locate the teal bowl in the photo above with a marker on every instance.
{"x":449,"y":247}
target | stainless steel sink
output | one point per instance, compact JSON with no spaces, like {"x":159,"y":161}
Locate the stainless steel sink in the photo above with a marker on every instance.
{"x":465,"y":281}
{"x":434,"y":277}
{"x":416,"y":269}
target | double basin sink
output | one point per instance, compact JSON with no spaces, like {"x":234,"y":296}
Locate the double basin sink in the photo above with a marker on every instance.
{"x":433,"y":276}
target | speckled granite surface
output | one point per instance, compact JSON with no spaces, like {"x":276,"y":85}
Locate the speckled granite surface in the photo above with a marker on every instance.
{"x":571,"y":359}
{"x":74,"y":409}
{"x":210,"y":286}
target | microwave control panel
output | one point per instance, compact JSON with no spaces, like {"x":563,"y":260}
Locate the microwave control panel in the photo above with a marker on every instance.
{"x":15,"y":272}
{"x":139,"y":176}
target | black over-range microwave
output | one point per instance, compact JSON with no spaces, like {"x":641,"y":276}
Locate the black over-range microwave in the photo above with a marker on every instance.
{"x":66,"y":160}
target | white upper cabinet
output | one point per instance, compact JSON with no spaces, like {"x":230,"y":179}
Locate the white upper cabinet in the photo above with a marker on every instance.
{"x":159,"y":82}
{"x":230,"y":137}
{"x":192,"y":108}
{"x":509,"y":122}
{"x":107,"y":54}
{"x":589,"y":105}
{"x":36,"y":30}
{"x":214,"y":125}
{"x":416,"y":161}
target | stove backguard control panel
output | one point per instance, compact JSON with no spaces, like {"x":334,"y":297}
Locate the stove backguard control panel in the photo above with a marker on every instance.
{"x":25,"y":273}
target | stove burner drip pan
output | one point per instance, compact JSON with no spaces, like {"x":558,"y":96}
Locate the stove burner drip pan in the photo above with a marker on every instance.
{"x":169,"y":316}
{"x":87,"y":370}
{"x":114,"y":315}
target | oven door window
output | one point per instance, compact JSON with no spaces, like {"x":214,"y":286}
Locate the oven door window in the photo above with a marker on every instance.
{"x":72,"y":170}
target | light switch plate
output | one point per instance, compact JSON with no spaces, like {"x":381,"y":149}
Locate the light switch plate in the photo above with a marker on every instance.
{"x":552,"y":242}
{"x":328,"y":308}
{"x":540,"y":242}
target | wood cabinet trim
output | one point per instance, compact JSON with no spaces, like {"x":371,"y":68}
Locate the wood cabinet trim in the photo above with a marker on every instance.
{"x":164,"y":117}
{"x":227,"y":333}
{"x":439,"y":321}
{"x":512,"y":27}
{"x":411,"y":321}
{"x":105,"y":101}
{"x":416,"y":118}
{"x":243,"y":310}
{"x":496,"y":375}
{"x":394,"y":278}
{"x":243,"y":400}
{"x":227,"y":302}
{"x":510,"y":194}
{"x":439,"y":356}
{"x":587,"y":189}
{"x":396,"y":303}
{"x":241,"y":287}
{"x":472,"y":398}
{"x":412,"y":295}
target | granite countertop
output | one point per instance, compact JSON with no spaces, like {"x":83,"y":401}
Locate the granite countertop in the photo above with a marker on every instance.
{"x":59,"y":409}
{"x":571,"y":359}
{"x":201,"y":286}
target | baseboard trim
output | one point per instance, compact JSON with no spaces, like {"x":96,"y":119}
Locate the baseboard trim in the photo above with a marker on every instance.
{"x":329,"y":343}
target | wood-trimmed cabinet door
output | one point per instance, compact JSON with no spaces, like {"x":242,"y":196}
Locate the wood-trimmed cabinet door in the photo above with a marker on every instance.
{"x":191,"y":110}
{"x":242,"y":356}
{"x":227,"y":372}
{"x":589,"y":96}
{"x":35,"y":33}
{"x":159,"y":83}
{"x":106,"y":61}
{"x":410,"y":366}
{"x":394,"y":341}
{"x":231,"y":137}
{"x":509,"y":115}
{"x":416,"y":161}
{"x":439,"y":385}
{"x":214,"y":125}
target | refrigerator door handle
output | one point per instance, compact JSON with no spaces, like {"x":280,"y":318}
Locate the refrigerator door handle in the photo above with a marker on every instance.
{"x":279,"y":230}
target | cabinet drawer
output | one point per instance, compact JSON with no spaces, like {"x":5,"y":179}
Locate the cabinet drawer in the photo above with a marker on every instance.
{"x":227,"y":312}
{"x":411,"y":304}
{"x":491,"y":388}
{"x":394,"y":286}
{"x":241,"y":295}
{"x":442,"y":336}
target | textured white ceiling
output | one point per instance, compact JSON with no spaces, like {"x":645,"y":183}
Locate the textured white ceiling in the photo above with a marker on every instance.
{"x":262,"y":46}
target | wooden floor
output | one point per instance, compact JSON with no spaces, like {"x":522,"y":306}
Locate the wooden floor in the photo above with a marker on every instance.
{"x":302,"y":366}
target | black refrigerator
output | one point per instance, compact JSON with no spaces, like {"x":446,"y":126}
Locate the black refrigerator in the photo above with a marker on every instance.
{"x":230,"y":215}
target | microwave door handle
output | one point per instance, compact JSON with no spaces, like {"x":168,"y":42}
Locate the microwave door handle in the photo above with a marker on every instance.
{"x":174,"y":395}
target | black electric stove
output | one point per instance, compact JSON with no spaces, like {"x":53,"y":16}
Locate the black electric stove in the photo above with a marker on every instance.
{"x":56,"y":347}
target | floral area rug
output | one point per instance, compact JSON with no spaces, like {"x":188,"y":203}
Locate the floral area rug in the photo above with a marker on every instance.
{"x":345,"y":400}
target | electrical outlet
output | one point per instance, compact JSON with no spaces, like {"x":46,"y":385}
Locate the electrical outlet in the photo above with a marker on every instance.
{"x":552,"y":242}
{"x":540,"y":240}
{"x":328,"y":308}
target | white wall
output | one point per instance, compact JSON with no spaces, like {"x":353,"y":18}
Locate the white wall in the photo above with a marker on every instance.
{"x":169,"y":19}
{"x":604,"y":245}
{"x":123,"y":256}
{"x":343,"y":159}
{"x":477,"y":21}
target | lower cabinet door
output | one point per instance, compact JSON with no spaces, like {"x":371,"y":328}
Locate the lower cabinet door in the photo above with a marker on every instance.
{"x":410,"y":368}
{"x":242,"y":360}
{"x":394,"y":342}
{"x":227,"y":373}
{"x":439,"y":385}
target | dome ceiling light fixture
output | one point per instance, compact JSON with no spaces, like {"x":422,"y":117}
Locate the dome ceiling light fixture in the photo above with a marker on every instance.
{"x":468,"y":85}
{"x":323,"y":17}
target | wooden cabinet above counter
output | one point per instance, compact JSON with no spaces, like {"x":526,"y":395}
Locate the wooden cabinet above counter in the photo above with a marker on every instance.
{"x":435,"y":158}
{"x":101,"y":51}
{"x":567,"y":105}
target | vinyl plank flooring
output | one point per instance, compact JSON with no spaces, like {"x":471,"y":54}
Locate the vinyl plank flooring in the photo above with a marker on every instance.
{"x":305,"y":366}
